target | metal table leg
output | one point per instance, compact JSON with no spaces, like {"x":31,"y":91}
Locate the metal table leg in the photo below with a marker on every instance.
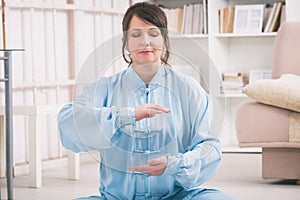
{"x":8,"y":118}
{"x":8,"y":121}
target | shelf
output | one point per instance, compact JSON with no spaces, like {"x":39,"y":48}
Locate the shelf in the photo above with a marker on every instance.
{"x":237,"y":149}
{"x":182,"y":36}
{"x":243,"y":35}
{"x":223,"y":35}
{"x":233,"y":95}
{"x":61,"y":7}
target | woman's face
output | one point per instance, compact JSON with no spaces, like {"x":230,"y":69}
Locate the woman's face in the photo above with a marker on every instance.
{"x":145,"y":42}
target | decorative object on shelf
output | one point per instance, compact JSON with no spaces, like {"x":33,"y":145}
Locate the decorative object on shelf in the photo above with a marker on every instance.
{"x":248,"y":18}
{"x":233,"y":82}
{"x":259,"y":74}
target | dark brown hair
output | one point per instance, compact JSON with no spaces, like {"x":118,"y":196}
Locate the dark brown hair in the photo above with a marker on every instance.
{"x":149,"y":13}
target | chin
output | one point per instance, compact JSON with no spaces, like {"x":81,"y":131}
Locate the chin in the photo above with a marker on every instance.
{"x":149,"y":61}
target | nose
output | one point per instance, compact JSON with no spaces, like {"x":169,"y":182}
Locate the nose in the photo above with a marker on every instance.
{"x":145,"y":41}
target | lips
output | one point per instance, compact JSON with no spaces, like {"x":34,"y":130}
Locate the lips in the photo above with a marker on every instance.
{"x":145,"y":52}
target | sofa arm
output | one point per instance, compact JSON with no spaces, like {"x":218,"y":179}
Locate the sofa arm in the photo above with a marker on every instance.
{"x":260,"y":123}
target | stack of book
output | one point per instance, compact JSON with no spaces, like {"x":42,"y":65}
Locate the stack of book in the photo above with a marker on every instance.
{"x":191,"y":19}
{"x":226,"y":19}
{"x":233,"y":82}
{"x":174,"y":17}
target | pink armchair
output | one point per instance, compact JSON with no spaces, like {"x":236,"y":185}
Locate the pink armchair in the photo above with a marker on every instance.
{"x":266,"y":126}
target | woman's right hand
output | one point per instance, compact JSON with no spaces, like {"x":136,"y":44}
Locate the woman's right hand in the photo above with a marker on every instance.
{"x":149,"y":110}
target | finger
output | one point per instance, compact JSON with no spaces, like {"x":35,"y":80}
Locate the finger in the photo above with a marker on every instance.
{"x":152,"y":112}
{"x":155,"y":170}
{"x":146,"y":169}
{"x":141,"y":168}
{"x":156,"y":161}
{"x":159,"y":107}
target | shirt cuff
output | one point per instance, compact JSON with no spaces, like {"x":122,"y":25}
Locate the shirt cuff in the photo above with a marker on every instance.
{"x":173,"y":165}
{"x":125,"y":116}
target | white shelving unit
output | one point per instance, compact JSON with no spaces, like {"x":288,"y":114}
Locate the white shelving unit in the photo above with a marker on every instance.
{"x":239,"y":53}
{"x":232,"y":96}
{"x":232,"y":35}
{"x":194,"y":36}
{"x":235,"y":52}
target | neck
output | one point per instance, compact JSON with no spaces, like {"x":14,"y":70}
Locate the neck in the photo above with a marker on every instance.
{"x":146,"y":71}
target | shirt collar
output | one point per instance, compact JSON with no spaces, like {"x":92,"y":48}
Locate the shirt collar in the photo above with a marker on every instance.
{"x":158,"y":79}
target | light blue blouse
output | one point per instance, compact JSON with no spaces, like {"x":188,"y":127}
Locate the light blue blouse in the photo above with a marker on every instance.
{"x":102,"y":118}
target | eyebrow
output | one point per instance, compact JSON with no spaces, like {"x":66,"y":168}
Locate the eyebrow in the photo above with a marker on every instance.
{"x":139,"y":29}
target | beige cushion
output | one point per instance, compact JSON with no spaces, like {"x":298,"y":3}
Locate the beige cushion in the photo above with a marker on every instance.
{"x":283,"y":92}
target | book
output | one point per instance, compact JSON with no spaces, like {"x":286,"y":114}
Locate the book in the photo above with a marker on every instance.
{"x":270,"y":18}
{"x":266,"y":17}
{"x":234,"y":77}
{"x":179,"y":14}
{"x":233,"y":82}
{"x":248,"y":18}
{"x":221,"y":20}
{"x":275,"y":20}
{"x":197,"y":8}
{"x":201,"y":22}
{"x":205,"y":17}
{"x":233,"y":74}
{"x":225,"y":17}
{"x":230,"y":20}
{"x":188,"y":20}
{"x":232,"y":91}
{"x":184,"y":20}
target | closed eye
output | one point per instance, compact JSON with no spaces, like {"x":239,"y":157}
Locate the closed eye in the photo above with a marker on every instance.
{"x":154,"y":32}
{"x":135,"y":33}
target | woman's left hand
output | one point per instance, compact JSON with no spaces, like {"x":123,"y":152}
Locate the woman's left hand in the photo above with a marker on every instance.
{"x":154,"y":167}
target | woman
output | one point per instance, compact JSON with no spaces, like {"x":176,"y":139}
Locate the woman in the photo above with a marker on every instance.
{"x":150,"y":123}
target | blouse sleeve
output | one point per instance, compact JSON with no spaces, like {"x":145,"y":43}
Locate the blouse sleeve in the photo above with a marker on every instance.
{"x":202,"y":158}
{"x":85,"y":127}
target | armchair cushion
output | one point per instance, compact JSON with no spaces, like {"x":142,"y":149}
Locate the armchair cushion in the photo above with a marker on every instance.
{"x":283,"y":92}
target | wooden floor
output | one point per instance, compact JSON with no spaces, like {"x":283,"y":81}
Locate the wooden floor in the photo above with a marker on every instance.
{"x":239,"y":176}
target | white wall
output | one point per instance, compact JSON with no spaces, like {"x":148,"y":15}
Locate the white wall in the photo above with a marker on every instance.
{"x":293,"y":10}
{"x":57,"y":38}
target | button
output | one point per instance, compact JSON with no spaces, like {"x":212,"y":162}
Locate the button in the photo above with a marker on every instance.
{"x":147,"y":196}
{"x":149,"y":130}
{"x":138,"y":151}
{"x":147,"y":151}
